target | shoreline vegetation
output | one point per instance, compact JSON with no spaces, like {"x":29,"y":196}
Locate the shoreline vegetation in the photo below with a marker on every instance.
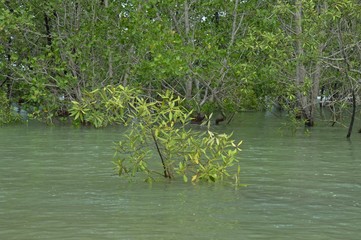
{"x":115,"y":62}
{"x":221,"y":57}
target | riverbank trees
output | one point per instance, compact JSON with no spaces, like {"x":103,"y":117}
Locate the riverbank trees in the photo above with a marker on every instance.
{"x":221,"y":56}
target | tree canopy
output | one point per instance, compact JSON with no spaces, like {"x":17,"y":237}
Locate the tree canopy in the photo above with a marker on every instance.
{"x":221,"y":56}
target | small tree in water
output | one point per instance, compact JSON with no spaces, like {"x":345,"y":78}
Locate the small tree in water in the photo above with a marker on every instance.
{"x":162,"y":126}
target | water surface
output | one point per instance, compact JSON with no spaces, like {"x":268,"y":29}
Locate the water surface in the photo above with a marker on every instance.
{"x":58,"y":183}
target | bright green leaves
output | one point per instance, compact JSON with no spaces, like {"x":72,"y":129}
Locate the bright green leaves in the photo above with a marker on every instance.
{"x":78,"y":111}
{"x":101,"y":107}
{"x":345,"y":9}
{"x":162,"y":127}
{"x":159,"y":141}
{"x":210,"y":157}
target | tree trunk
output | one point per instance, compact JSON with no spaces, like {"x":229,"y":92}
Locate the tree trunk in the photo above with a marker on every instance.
{"x":48,"y":31}
{"x":300,"y":69}
{"x":189,"y":81}
{"x":353,"y":114}
{"x":8,"y":73}
{"x":166,"y":171}
{"x":189,"y":86}
{"x":110,"y":55}
{"x":315,"y":87}
{"x":348,"y":77}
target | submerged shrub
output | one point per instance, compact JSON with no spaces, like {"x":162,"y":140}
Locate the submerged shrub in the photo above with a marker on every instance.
{"x":159,"y":126}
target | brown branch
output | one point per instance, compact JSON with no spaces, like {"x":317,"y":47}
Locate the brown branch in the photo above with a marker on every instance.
{"x":166,"y":171}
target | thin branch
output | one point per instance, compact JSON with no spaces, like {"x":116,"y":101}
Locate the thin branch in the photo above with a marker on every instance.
{"x":166,"y":172}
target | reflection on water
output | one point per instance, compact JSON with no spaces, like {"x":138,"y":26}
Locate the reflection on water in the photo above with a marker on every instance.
{"x":58,"y":183}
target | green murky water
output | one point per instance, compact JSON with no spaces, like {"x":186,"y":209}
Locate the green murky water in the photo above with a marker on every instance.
{"x":58,"y":183}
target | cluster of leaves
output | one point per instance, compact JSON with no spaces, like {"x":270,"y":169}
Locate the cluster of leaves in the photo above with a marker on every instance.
{"x":159,"y":126}
{"x":108,"y":105}
{"x":6,"y":113}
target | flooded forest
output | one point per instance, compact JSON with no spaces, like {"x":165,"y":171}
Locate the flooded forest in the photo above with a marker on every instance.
{"x":188,"y":119}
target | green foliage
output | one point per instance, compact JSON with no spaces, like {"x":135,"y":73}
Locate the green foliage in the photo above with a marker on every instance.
{"x":159,"y":126}
{"x":162,"y":126}
{"x":222,"y":56}
{"x":6,"y":114}
{"x":109,"y":105}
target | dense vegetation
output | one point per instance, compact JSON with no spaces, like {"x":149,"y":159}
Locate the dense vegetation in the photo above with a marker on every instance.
{"x":222,"y":56}
{"x":159,"y":126}
{"x":67,"y":59}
